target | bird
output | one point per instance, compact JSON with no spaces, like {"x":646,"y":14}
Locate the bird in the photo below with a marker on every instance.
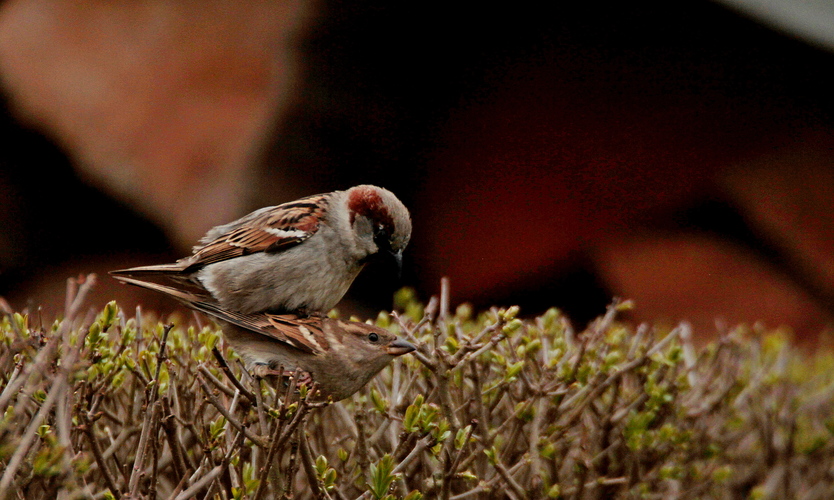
{"x":296,"y":258}
{"x":339,"y":356}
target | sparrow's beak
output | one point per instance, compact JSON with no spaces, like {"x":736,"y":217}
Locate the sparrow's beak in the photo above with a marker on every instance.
{"x":398,"y":259}
{"x":399,"y":347}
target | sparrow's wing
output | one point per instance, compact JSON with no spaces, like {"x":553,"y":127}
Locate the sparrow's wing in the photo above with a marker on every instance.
{"x":304,"y":334}
{"x":269,"y":229}
{"x":300,"y":333}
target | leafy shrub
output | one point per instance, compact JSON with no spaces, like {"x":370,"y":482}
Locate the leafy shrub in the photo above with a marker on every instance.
{"x":492,"y":406}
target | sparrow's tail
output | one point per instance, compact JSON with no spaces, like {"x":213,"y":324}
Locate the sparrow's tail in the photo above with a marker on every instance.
{"x":169,"y":270}
{"x":188,"y":298}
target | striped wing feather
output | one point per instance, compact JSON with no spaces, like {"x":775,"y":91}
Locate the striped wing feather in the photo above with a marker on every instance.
{"x":273,"y":230}
{"x":282,"y":328}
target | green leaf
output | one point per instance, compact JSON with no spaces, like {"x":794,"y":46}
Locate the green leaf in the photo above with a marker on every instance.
{"x":381,"y":477}
{"x":94,"y":336}
{"x":428,"y":415}
{"x":48,"y":461}
{"x":512,"y":327}
{"x":492,"y":455}
{"x":108,"y":315}
{"x":383,"y":320}
{"x":217,"y":428}
{"x":513,"y":370}
{"x":451,"y":344}
{"x":460,"y":437}
{"x":22,"y":322}
{"x":509,"y":314}
{"x":329,"y":479}
{"x":321,"y":464}
{"x":39,"y":395}
{"x":380,"y":403}
{"x":411,"y":420}
{"x":463,"y":312}
{"x":164,"y":379}
{"x":404,"y":296}
{"x":414,"y":495}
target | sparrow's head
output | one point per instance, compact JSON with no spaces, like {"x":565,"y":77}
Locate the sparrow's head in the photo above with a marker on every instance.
{"x":366,"y":343}
{"x":379,"y":220}
{"x":355,"y":353}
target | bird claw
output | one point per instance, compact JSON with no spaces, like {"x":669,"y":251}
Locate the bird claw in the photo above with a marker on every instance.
{"x":304,"y":313}
{"x":263,"y":371}
{"x":304,"y":378}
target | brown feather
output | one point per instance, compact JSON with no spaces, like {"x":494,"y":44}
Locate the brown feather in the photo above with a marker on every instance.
{"x":300,"y":217}
{"x":281,"y":328}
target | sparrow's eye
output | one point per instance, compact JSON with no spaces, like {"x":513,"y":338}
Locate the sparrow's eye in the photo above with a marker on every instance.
{"x":381,"y":236}
{"x":373,"y":337}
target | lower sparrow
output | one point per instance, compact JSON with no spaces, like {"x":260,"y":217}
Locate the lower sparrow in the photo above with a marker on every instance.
{"x":340,"y":356}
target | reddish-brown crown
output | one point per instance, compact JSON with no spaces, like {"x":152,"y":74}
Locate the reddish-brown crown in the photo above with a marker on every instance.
{"x":365,"y":200}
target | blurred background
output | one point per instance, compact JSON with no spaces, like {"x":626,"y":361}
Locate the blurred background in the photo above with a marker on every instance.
{"x":680,"y":154}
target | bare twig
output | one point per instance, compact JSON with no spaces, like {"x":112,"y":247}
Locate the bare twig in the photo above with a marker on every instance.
{"x":508,"y":479}
{"x":87,"y":427}
{"x":277,"y":442}
{"x":228,"y":416}
{"x":231,"y":376}
{"x":22,"y":449}
{"x":225,"y":389}
{"x":310,"y":469}
{"x":200,"y":484}
{"x":151,"y":415}
{"x":169,"y":426}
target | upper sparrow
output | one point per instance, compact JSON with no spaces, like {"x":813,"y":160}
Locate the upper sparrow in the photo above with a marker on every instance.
{"x":340,"y":356}
{"x":299,"y":257}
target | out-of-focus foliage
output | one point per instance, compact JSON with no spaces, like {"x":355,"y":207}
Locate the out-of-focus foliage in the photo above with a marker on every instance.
{"x":492,"y":406}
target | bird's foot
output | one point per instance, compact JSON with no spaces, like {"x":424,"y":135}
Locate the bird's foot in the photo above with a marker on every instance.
{"x":300,"y":313}
{"x":304,"y":378}
{"x":305,"y":313}
{"x":264,"y":371}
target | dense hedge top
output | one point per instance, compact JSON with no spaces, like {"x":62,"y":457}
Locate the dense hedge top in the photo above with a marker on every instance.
{"x":492,"y":406}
